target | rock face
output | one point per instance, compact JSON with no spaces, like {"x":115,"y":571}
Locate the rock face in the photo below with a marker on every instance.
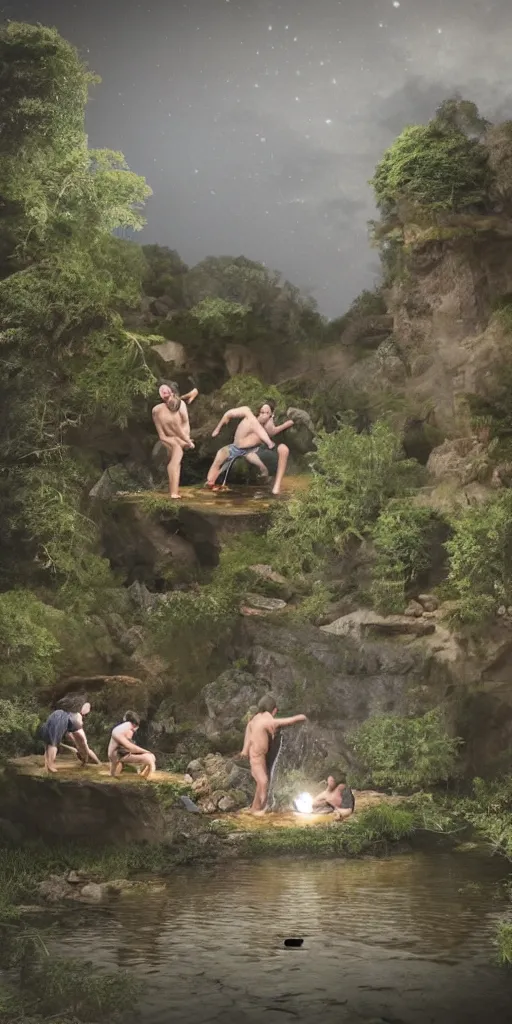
{"x":87,"y":805}
{"x":337,"y":680}
{"x":442,"y":337}
{"x":368,"y":623}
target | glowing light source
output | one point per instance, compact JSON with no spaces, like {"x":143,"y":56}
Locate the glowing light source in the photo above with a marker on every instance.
{"x":304,"y":803}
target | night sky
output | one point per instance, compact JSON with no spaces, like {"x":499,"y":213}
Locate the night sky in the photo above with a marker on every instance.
{"x":258,"y":123}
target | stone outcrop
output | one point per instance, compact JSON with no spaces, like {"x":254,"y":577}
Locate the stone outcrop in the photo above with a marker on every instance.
{"x":369,"y":623}
{"x":88,"y":805}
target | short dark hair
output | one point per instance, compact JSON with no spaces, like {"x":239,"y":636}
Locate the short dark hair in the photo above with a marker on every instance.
{"x":267,"y":703}
{"x":133,"y":717}
{"x":73,"y":702}
{"x":173,"y":386}
{"x":270,"y":403}
{"x":340,"y":778}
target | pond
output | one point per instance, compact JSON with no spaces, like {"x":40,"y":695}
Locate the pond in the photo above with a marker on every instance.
{"x":404,"y":939}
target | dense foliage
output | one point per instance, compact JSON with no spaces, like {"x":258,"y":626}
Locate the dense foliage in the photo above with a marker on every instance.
{"x":66,"y":358}
{"x":400,"y":753}
{"x":403,"y":537}
{"x":354,"y":476}
{"x":433,"y":167}
{"x":480,"y":559}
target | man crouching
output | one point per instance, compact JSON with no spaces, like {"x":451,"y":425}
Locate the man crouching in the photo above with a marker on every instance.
{"x":122,"y":750}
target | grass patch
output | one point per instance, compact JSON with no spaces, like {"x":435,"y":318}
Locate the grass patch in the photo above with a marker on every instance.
{"x":372,"y":831}
{"x":503,"y":942}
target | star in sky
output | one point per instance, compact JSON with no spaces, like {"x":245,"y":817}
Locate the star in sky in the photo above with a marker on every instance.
{"x":258,"y":123}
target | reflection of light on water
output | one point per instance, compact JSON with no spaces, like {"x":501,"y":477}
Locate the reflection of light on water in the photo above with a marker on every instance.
{"x":304,"y":803}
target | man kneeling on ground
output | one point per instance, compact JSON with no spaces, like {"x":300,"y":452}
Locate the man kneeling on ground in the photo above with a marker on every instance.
{"x":121,"y":749}
{"x":337,"y":797}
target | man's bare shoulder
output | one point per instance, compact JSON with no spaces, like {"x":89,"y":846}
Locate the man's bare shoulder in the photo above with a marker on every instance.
{"x":157,"y":410}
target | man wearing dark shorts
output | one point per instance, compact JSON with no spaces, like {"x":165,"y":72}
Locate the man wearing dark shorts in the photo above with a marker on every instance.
{"x":66,"y":724}
{"x":337,"y":797}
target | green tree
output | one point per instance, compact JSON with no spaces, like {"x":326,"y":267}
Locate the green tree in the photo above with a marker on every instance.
{"x":66,"y":358}
{"x":433,"y":168}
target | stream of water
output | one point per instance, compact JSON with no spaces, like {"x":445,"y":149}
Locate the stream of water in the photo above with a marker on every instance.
{"x":406,"y":939}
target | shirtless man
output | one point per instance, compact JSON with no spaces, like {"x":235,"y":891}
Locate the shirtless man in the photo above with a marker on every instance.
{"x":68,"y":725}
{"x":249,"y":435}
{"x":173,"y":428}
{"x":258,"y":734}
{"x":266,"y":418}
{"x":337,"y":797}
{"x":122,"y":750}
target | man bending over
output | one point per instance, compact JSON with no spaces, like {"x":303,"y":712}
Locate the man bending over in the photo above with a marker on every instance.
{"x":68,"y":725}
{"x":259,"y":732}
{"x":173,"y":428}
{"x":122,"y":750}
{"x":266,"y":418}
{"x":249,"y":435}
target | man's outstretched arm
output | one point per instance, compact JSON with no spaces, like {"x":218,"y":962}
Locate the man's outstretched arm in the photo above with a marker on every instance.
{"x":190,"y":395}
{"x":232,"y":414}
{"x":281,"y":723}
{"x":283,"y":426}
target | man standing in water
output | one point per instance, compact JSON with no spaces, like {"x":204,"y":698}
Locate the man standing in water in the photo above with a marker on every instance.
{"x":259,"y":734}
{"x":247,"y":443}
{"x":173,"y":428}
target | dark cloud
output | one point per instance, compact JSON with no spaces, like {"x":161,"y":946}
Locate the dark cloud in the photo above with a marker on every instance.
{"x":258,"y":124}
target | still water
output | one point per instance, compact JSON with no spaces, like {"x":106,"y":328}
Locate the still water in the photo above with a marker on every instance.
{"x":407,"y":939}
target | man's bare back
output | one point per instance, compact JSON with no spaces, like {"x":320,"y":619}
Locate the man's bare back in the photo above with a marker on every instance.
{"x":258,"y":734}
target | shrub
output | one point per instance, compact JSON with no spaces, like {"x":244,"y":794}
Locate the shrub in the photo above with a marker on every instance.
{"x":503,"y":942}
{"x":192,"y":625}
{"x":28,"y":644}
{"x":405,"y":753}
{"x":490,"y":811}
{"x":433,"y":167}
{"x":17,"y":727}
{"x":480,"y":559}
{"x":403,"y":536}
{"x":354,"y":475}
{"x":249,"y":390}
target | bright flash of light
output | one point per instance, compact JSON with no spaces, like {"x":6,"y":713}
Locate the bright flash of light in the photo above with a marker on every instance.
{"x":304,"y":803}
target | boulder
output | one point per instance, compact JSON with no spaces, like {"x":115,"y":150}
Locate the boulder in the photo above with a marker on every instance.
{"x":195,"y":768}
{"x":414,"y":609}
{"x":227,"y":803}
{"x":264,"y":604}
{"x":428,"y":602}
{"x":300,"y":437}
{"x":271,"y":583}
{"x":365,"y":623}
{"x":170,"y":354}
{"x":228,"y":699}
{"x":463,"y":460}
{"x":114,"y":480}
{"x":92,"y":892}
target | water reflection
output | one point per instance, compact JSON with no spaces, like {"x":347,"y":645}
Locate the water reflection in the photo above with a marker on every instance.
{"x":400,"y":938}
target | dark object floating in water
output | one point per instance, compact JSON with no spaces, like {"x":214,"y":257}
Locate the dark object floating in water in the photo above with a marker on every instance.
{"x":189,"y":805}
{"x":293,"y":943}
